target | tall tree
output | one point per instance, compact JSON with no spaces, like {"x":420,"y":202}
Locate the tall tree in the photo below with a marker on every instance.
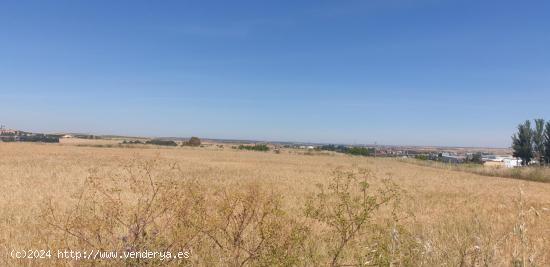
{"x":522,"y":143}
{"x":538,"y":140}
{"x":547,"y":143}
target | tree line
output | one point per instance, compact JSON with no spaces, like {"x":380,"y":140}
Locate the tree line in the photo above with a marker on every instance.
{"x":193,"y":141}
{"x":358,"y":151}
{"x":256,"y":147}
{"x":532,"y":143}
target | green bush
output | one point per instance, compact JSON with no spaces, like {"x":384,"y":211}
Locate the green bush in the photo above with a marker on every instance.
{"x":159,"y":142}
{"x":258,"y":147}
{"x":39,"y":138}
{"x":361,"y":151}
{"x":132,"y":142}
{"x":358,"y":151}
{"x":421,"y":157}
{"x":193,"y":141}
{"x":346,"y":208}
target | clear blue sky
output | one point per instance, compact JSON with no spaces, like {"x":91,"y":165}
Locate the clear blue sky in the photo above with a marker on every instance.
{"x":418,"y":72}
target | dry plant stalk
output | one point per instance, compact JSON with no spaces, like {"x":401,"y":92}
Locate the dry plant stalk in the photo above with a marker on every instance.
{"x":346,"y":208}
{"x":227,"y":210}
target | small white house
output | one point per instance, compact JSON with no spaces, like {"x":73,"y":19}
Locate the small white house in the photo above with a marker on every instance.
{"x":512,"y":162}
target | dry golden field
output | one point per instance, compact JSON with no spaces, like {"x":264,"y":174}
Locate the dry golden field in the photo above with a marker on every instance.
{"x":228,"y":207}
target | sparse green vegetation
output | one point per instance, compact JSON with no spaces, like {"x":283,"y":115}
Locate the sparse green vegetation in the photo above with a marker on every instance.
{"x":133,"y":142}
{"x":476,"y":158}
{"x":546,"y":144}
{"x":160,"y":142}
{"x":347,"y":207}
{"x":256,"y":147}
{"x":44,"y":138}
{"x":355,"y":150}
{"x":421,"y":157}
{"x":193,"y":141}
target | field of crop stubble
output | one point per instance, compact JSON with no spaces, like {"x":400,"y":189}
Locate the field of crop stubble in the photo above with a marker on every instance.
{"x":229,"y":207}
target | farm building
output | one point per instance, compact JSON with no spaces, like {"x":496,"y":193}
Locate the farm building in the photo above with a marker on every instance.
{"x":512,"y":162}
{"x":501,"y":161}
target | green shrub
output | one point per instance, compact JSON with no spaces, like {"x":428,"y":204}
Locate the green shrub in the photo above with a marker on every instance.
{"x":257,"y":147}
{"x":132,"y":142}
{"x":346,"y":208}
{"x":193,"y":141}
{"x":354,"y":150}
{"x":421,"y":157}
{"x":160,"y":142}
{"x":39,"y":138}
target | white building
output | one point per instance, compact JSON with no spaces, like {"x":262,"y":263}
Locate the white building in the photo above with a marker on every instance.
{"x":512,"y":162}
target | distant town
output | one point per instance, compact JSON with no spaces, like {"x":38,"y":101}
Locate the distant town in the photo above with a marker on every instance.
{"x":497,"y":157}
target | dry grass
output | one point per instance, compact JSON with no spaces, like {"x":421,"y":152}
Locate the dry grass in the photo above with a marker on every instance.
{"x":68,"y":196}
{"x":531,"y":173}
{"x":85,"y":142}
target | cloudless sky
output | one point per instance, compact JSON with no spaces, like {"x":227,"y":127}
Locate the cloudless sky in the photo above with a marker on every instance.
{"x":416,"y":72}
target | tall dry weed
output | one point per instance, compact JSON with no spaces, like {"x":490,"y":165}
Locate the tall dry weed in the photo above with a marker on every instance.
{"x":354,"y":219}
{"x":144,"y":209}
{"x":346,"y":209}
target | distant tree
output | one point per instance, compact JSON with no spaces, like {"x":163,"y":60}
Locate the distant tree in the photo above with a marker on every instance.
{"x":131,"y":142}
{"x":256,"y":147}
{"x":477,"y":158}
{"x":160,"y":142}
{"x":522,"y":143}
{"x":39,"y":138}
{"x":194,"y":141}
{"x":361,"y":151}
{"x":538,"y":140}
{"x":547,"y":143}
{"x":421,"y":157}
